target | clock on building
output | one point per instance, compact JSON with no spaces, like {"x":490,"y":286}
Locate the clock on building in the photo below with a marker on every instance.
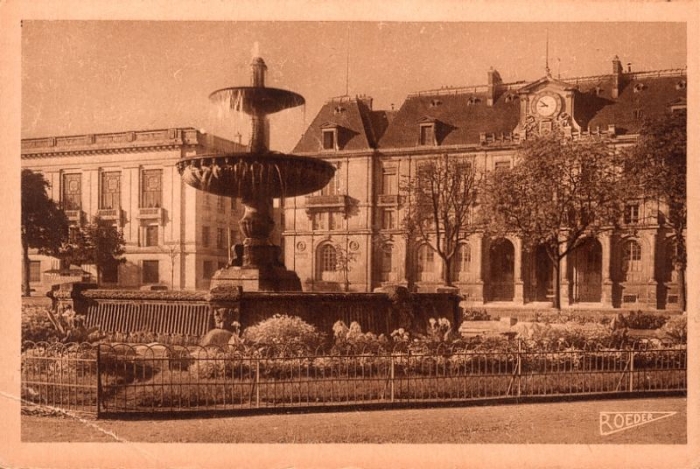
{"x":547,"y":105}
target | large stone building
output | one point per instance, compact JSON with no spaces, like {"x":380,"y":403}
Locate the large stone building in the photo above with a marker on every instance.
{"x":349,"y":234}
{"x":175,"y":235}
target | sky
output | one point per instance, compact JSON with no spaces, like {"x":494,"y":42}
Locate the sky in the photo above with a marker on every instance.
{"x":83,"y":77}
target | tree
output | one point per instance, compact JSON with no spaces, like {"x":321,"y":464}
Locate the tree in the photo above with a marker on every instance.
{"x":440,"y":200}
{"x":44,"y":224}
{"x":99,"y":243}
{"x":343,"y":258}
{"x":656,"y":168}
{"x":558,"y":192}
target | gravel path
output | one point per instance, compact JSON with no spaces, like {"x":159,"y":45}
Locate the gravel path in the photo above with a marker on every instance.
{"x":565,"y":422}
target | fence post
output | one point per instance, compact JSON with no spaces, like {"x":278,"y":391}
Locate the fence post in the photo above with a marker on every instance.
{"x":631,"y":370}
{"x":519,"y":363}
{"x":257,"y":382}
{"x":98,"y":372}
{"x":391,"y":377}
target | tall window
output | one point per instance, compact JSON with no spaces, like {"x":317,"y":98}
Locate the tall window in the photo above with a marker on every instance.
{"x":631,"y":257}
{"x":427,"y":134}
{"x":110,"y":190}
{"x":152,"y":188}
{"x":71,"y":192}
{"x":220,"y":238}
{"x":206,"y":236}
{"x":207,"y":269}
{"x":390,"y":181}
{"x":462,"y":260}
{"x":387,"y":261}
{"x":319,"y":221}
{"x":333,"y":186}
{"x":35,"y":271}
{"x":388,"y":219}
{"x":335,"y":221}
{"x":220,"y":203}
{"x":151,"y":235}
{"x":425,"y":259}
{"x":631,"y":214}
{"x":73,"y":233}
{"x":149,"y":272}
{"x":330,"y":139}
{"x":110,"y":273}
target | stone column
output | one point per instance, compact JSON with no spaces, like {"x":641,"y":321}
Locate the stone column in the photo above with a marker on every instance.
{"x":564,"y":282}
{"x":518,"y":296}
{"x":606,"y":293}
{"x":477,"y":261}
{"x":650,"y":263}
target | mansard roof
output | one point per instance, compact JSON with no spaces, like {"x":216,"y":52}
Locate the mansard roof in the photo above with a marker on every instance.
{"x":361,"y":126}
{"x":652,"y":93}
{"x":468,"y":115}
{"x":463,"y":115}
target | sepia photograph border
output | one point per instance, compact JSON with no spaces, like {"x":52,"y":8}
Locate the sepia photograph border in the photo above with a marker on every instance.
{"x":15,"y":454}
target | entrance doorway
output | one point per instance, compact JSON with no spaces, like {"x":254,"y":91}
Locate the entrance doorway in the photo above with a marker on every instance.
{"x":502,"y":263}
{"x":586,"y":272}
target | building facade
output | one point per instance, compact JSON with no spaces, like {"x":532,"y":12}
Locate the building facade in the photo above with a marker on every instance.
{"x":349,"y":235}
{"x":175,"y":235}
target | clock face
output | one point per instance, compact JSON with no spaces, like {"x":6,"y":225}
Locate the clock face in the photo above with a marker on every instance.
{"x":547,"y":105}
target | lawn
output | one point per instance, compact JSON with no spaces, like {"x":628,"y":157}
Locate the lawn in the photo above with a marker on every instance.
{"x":559,"y":422}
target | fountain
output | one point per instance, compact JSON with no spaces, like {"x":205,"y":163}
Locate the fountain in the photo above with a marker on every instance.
{"x":255,"y":285}
{"x":256,"y":177}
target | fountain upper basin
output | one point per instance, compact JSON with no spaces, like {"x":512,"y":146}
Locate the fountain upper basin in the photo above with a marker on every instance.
{"x":253,"y":176}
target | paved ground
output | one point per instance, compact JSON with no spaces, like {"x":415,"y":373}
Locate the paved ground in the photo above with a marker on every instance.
{"x":572,"y":423}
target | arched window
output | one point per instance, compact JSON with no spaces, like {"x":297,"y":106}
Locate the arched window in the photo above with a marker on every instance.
{"x":631,"y":256}
{"x":326,"y":262}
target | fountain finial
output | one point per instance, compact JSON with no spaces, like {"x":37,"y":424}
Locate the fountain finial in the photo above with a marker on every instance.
{"x":257,"y":73}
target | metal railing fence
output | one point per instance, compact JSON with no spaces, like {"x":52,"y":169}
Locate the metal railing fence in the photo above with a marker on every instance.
{"x":122,"y":379}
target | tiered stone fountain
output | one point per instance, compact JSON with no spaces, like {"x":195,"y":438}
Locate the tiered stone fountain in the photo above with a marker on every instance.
{"x":256,"y":177}
{"x":256,"y":285}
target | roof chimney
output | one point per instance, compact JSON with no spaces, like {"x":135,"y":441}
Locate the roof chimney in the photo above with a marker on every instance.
{"x":494,"y":79}
{"x":617,"y":77}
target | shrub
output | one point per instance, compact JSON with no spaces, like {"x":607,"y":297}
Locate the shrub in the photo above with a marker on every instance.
{"x":676,"y":329}
{"x":36,"y":325}
{"x":642,"y":320}
{"x":282,"y":330}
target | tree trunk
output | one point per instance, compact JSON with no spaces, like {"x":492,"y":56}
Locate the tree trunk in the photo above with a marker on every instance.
{"x":447,"y":272}
{"x":26,"y":288}
{"x":557,"y":284}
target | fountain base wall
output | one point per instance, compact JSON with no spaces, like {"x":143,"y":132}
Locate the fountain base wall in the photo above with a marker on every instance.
{"x":194,"y":313}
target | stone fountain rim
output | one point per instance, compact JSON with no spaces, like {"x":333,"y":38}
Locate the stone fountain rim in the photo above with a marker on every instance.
{"x":263,"y":158}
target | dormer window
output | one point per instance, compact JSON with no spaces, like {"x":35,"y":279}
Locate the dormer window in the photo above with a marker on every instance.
{"x":330,"y":139}
{"x":597,"y":91}
{"x":427,"y":134}
{"x":681,"y":85}
{"x":639,"y":87}
{"x":509,"y":97}
{"x":338,"y":110}
{"x":473,"y":100}
{"x":638,"y":114}
{"x":435,"y":103}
